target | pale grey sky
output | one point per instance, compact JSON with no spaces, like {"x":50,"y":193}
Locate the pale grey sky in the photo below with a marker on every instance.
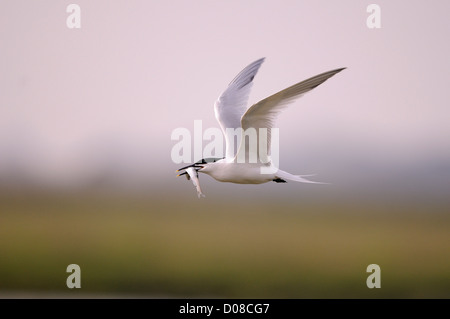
{"x":115,"y":89}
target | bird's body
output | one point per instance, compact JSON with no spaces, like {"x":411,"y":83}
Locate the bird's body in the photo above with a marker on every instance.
{"x":239,"y":173}
{"x":232,"y":113}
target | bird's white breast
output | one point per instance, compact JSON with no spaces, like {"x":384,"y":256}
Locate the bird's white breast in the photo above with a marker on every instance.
{"x":238,"y":173}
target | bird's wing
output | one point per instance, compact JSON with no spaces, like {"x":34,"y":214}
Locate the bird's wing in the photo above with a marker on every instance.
{"x":264,"y":113}
{"x":232,"y":104}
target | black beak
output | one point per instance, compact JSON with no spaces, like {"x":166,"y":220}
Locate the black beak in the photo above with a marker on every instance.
{"x":195,"y":165}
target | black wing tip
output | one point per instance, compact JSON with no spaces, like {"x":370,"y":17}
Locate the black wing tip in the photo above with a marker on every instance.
{"x":331,"y":73}
{"x":327,"y":75}
{"x":255,"y":64}
{"x":252,"y":66}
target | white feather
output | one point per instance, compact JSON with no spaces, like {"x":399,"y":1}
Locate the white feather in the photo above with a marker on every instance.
{"x":264,"y":113}
{"x":232,"y":104}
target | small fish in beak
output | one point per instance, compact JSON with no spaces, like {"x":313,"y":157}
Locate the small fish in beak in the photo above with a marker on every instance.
{"x":195,"y":165}
{"x":193,"y":175}
{"x":191,"y":172}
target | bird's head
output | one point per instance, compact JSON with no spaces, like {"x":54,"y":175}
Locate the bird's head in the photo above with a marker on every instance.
{"x":202,"y":165}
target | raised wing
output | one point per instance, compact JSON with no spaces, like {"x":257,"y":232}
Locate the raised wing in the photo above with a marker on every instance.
{"x":232,"y":104}
{"x":264,"y":113}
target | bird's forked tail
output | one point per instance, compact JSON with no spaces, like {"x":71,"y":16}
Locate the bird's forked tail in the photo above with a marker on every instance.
{"x":296,"y":178}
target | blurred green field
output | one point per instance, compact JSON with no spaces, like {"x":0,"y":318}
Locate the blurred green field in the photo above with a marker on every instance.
{"x":200,"y":248}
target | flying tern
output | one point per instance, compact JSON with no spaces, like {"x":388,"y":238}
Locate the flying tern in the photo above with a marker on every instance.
{"x":232,"y":113}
